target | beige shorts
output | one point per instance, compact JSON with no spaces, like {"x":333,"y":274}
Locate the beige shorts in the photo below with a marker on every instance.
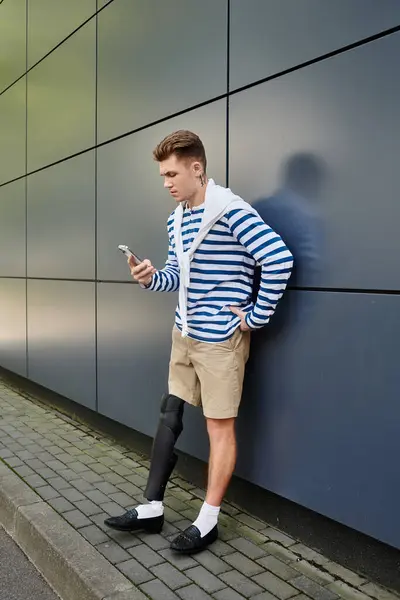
{"x":209,"y":374}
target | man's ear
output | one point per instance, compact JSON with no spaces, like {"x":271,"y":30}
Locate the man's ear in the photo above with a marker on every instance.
{"x":197,"y":168}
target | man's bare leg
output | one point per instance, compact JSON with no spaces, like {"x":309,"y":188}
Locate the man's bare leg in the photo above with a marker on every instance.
{"x":221,"y":433}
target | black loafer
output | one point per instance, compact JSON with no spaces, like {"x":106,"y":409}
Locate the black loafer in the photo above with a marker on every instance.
{"x":190,"y":540}
{"x":129,"y":521}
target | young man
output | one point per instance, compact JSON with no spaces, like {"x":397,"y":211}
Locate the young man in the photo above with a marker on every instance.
{"x":215,"y":241}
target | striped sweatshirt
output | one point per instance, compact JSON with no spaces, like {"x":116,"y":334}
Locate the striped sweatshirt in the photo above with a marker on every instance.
{"x":222,"y":273}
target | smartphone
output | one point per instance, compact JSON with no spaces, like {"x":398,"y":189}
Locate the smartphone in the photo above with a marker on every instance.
{"x":128,"y":252}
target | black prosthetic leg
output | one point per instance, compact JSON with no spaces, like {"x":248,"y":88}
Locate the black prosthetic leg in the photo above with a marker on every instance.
{"x":163,"y":457}
{"x":163,"y":461}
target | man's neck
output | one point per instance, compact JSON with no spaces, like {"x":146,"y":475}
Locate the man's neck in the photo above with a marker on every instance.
{"x":198,"y":198}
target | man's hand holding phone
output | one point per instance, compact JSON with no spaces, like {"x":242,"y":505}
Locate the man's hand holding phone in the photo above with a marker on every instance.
{"x":142,"y":272}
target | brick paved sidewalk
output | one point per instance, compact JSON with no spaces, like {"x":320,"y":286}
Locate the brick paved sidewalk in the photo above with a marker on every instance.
{"x":86,"y":476}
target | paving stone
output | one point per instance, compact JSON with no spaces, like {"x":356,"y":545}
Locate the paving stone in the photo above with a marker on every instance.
{"x":339,"y":588}
{"x":154,"y":540}
{"x":82,"y":485}
{"x":244,"y":565}
{"x":251,"y":534}
{"x":378,"y":592}
{"x":56,"y":465}
{"x":278,"y":567}
{"x":192,"y":592}
{"x":135,"y":571}
{"x":76,"y":519}
{"x":106,"y":488}
{"x":112,"y":508}
{"x":45,"y":457}
{"x":24,"y":471}
{"x":46,"y":473}
{"x":316,"y":574}
{"x":226,"y":534}
{"x":283,"y":554}
{"x":169,"y":531}
{"x":250,"y":521}
{"x":180,"y":561}
{"x":108,"y":461}
{"x":91,"y":477}
{"x":189,"y":513}
{"x":47,"y":492}
{"x":72,"y":494}
{"x":59,"y":483}
{"x":247,"y":548}
{"x":137,"y":480}
{"x":35,"y":480}
{"x":309,"y":554}
{"x":344,"y":574}
{"x":275,"y":585}
{"x":25,"y":454}
{"x":13,"y":461}
{"x":96,"y":467}
{"x":97,"y":497}
{"x":278,"y":536}
{"x":212,"y":563}
{"x":175,"y":504}
{"x":312,"y":589}
{"x":157,"y":590}
{"x":124,"y":539}
{"x":146,"y":555}
{"x":129,"y":488}
{"x":241,"y":583}
{"x":67,"y":474}
{"x":88,"y":507}
{"x":229,"y":509}
{"x":121,"y":470}
{"x":113,"y":552}
{"x":183,"y":524}
{"x":181,"y":494}
{"x":78,"y":467}
{"x":173,"y":578}
{"x":114,"y":478}
{"x":228,"y":594}
{"x":220,"y":548}
{"x":268,"y":596}
{"x":122,"y":499}
{"x":61,"y":505}
{"x":205,"y":580}
{"x":35,"y":464}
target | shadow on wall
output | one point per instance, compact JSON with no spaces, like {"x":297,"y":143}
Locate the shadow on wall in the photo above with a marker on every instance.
{"x":295,"y":212}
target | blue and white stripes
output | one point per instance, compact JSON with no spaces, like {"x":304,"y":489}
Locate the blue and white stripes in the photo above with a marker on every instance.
{"x":222,"y":271}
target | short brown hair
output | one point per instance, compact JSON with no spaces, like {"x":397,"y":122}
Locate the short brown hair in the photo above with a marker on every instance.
{"x":182,"y":143}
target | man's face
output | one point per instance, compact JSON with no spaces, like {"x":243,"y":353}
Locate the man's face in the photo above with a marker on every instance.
{"x":180,"y":177}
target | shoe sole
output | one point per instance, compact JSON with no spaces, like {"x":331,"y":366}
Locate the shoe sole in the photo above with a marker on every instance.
{"x":149,"y":528}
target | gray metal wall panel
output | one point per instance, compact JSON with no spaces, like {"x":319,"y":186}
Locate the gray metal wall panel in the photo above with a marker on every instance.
{"x":12,"y":229}
{"x":61,"y":338}
{"x":157,"y":58}
{"x":321,"y":404}
{"x":344,"y":112}
{"x":12,"y":41}
{"x":61,"y":225}
{"x":268,"y":37}
{"x":64,"y":17}
{"x":134,"y":341}
{"x":13,"y":131}
{"x":133,"y":206}
{"x":61,"y":100}
{"x":13,"y":325}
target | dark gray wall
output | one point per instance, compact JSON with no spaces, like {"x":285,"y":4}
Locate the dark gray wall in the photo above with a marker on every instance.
{"x":310,"y":129}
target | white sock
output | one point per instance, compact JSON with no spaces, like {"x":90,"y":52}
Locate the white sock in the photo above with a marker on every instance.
{"x":207,"y":519}
{"x":153,"y":509}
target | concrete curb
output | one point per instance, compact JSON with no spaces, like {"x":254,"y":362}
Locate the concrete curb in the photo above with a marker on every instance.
{"x":70,"y":564}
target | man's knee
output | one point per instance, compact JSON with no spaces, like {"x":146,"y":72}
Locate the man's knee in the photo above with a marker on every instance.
{"x":171,"y":414}
{"x":221,"y":427}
